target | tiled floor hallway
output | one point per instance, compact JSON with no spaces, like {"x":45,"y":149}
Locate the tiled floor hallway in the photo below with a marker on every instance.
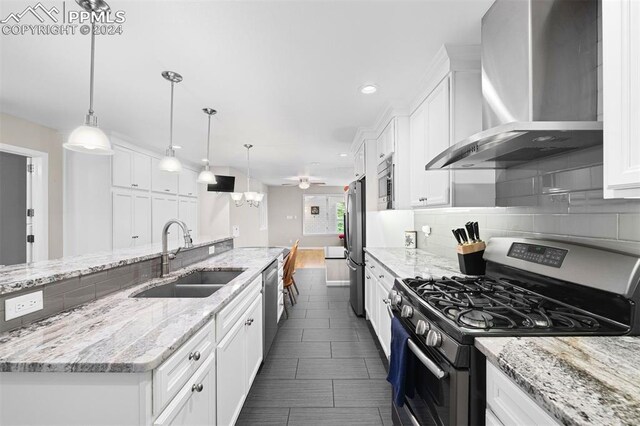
{"x":324,"y":367}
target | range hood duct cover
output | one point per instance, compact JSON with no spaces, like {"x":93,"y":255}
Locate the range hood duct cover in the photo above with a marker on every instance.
{"x":539,"y":85}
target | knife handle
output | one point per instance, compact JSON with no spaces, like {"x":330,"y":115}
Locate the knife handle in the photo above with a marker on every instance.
{"x":469,"y":226}
{"x":455,"y":234}
{"x":463,"y":234}
{"x":476,"y":230}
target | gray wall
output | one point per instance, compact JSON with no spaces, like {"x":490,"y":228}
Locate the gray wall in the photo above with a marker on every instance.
{"x":13,"y":205}
{"x":286,"y":201}
{"x":558,"y":198}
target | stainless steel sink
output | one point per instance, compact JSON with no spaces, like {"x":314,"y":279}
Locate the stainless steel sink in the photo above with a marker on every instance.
{"x":197,"y":284}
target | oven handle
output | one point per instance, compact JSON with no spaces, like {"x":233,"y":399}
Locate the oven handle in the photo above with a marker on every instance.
{"x":407,"y":410}
{"x":431,"y":366}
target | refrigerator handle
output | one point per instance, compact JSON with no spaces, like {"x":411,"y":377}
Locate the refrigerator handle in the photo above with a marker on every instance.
{"x":349,"y":264}
{"x":346,"y":226}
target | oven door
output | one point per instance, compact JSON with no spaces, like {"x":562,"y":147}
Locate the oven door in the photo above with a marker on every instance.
{"x":441,"y":395}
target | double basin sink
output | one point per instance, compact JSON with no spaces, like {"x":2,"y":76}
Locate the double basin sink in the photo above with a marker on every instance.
{"x":196,"y":284}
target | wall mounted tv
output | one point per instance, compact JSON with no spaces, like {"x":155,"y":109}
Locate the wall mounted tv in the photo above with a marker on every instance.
{"x":223,"y":184}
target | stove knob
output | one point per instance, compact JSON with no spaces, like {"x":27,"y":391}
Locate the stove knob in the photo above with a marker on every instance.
{"x":397,"y":300}
{"x":421,"y":328}
{"x":434,"y":338}
{"x":407,"y":311}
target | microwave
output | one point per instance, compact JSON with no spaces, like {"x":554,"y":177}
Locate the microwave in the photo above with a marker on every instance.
{"x":385,"y":184}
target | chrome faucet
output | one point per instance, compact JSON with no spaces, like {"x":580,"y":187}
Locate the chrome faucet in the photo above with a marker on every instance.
{"x":166,"y":256}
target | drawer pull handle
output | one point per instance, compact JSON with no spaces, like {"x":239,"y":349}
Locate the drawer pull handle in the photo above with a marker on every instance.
{"x":197,"y":388}
{"x":194,"y":356}
{"x":249,"y":321}
{"x":380,"y":276}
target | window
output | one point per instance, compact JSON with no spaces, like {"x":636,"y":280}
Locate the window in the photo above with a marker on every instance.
{"x":323,"y":214}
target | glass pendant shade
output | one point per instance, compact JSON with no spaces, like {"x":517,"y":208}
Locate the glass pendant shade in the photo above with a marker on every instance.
{"x":236,"y":196}
{"x":170,"y":163}
{"x":250,"y":195}
{"x":304,"y":184}
{"x":89,"y":140}
{"x":259,"y":197}
{"x":207,"y":176}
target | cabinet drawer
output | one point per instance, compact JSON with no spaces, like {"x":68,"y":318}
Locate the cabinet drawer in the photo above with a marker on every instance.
{"x":380,"y":273}
{"x":228,"y":316}
{"x":203,"y":410}
{"x":176,"y":370}
{"x":510,"y":404}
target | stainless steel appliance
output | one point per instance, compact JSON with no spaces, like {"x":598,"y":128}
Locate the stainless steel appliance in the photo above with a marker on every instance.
{"x":269,"y":306}
{"x":531,"y":288}
{"x":385,"y":184}
{"x":539,"y":84}
{"x":354,"y":243}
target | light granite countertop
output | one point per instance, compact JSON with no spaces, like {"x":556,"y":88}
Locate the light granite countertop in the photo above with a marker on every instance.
{"x":409,"y":263}
{"x":123,"y":334}
{"x":18,"y":277}
{"x":577,"y":380}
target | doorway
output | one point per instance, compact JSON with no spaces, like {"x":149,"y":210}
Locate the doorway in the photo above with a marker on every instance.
{"x":23,"y":205}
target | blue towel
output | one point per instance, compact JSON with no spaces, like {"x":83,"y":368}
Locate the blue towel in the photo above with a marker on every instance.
{"x":401,"y":363}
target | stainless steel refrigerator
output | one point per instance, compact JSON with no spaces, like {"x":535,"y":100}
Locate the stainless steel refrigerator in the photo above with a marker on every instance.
{"x":354,"y":243}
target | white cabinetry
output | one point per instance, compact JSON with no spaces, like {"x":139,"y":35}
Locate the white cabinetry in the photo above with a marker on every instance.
{"x":131,"y":169}
{"x":359,"y":162}
{"x":164,"y":208}
{"x":162,"y":181}
{"x":384,"y":319}
{"x":188,"y":212}
{"x":386,"y":142}
{"x":449,"y":110}
{"x":507,"y":404}
{"x":239,"y":353}
{"x":621,"y":97}
{"x":378,"y":283}
{"x":188,"y":183}
{"x":131,"y":218}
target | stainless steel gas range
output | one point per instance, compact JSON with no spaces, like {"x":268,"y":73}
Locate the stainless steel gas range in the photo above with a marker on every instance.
{"x":531,"y":288}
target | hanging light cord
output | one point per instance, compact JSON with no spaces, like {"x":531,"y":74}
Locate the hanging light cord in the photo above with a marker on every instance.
{"x":93,"y":48}
{"x":171,"y":120}
{"x":248,"y":168}
{"x":208,"y":138}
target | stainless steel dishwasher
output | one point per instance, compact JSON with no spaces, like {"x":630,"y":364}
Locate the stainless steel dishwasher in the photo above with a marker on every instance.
{"x":269,"y":306}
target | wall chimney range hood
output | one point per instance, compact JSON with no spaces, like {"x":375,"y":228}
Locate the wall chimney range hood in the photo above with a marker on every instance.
{"x":539,"y":85}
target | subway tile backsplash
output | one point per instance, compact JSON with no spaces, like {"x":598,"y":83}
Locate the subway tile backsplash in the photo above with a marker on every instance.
{"x":558,"y":198}
{"x":69,"y":293}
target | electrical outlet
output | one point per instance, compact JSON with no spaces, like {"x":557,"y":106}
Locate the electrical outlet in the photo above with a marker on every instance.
{"x":23,"y":305}
{"x":212,"y":249}
{"x":236,"y":231}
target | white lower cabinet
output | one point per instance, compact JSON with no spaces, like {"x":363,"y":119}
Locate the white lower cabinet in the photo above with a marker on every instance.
{"x":164,"y":208}
{"x":384,"y":319}
{"x":507,"y":404}
{"x":131,"y":218}
{"x":254,"y":340}
{"x":378,"y":283}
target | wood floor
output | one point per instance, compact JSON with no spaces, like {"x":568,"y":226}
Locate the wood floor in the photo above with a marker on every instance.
{"x":310,"y":258}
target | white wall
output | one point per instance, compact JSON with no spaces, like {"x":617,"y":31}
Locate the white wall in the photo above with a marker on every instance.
{"x":386,"y":228}
{"x":285,"y":216}
{"x":218,"y":214}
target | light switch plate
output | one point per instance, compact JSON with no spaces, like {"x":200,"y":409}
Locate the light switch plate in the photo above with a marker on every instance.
{"x":212,"y":249}
{"x":236,"y":231}
{"x":23,"y":305}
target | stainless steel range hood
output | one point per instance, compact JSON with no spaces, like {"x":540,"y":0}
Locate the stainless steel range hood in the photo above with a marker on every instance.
{"x":539,"y":85}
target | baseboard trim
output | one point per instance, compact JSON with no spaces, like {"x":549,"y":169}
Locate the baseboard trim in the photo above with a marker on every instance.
{"x":338,"y":283}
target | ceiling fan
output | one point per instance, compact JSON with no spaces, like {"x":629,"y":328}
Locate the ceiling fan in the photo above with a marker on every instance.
{"x":304,"y":182}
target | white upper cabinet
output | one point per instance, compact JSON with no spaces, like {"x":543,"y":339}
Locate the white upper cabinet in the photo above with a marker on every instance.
{"x":359,"y":162}
{"x":131,"y":218}
{"x":449,"y":110}
{"x":386,"y":143}
{"x":131,"y":169}
{"x":621,"y":97}
{"x":188,"y":183}
{"x":162,"y":181}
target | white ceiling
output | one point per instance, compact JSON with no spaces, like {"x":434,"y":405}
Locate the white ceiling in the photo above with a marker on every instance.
{"x":284,"y":76}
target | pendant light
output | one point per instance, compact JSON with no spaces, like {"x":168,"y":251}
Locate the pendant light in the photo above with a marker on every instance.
{"x":169,"y":162}
{"x":206,"y":175}
{"x":88,"y":138}
{"x":252,"y":198}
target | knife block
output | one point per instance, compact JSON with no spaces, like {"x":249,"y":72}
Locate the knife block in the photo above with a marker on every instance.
{"x":470,"y":258}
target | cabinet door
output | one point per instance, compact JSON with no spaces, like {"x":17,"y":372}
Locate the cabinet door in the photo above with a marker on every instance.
{"x":417,"y":149}
{"x":142,"y":218}
{"x":141,"y":174}
{"x":373,"y":315}
{"x":254,"y":340}
{"x":368,"y":293}
{"x":231,"y":371}
{"x":621,"y":97}
{"x":188,"y":212}
{"x":164,"y":208}
{"x":190,"y":406}
{"x":437,"y":140}
{"x":384,"y":320}
{"x":121,"y":167}
{"x":390,"y":138}
{"x":187,"y":184}
{"x":122,"y":219}
{"x":359,"y":162}
{"x":162,"y":181}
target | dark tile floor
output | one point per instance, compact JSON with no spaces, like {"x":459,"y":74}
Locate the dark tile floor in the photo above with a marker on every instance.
{"x":324,"y":368}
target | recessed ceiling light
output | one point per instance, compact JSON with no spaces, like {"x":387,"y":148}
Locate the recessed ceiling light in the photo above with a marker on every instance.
{"x":177,"y":147}
{"x":343,"y":154}
{"x":368,"y":89}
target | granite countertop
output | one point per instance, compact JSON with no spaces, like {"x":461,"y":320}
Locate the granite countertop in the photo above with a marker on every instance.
{"x":577,"y":380}
{"x":409,"y":263}
{"x":18,"y":277}
{"x":123,"y":334}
